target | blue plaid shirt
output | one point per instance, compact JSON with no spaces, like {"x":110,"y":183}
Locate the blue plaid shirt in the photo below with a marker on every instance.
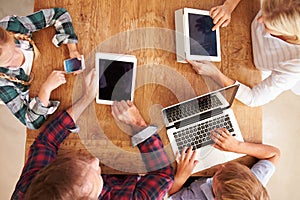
{"x":30,"y":111}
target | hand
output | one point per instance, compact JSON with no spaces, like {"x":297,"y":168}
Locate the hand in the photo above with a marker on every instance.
{"x":205,"y":68}
{"x":54,"y":80}
{"x":221,"y":15}
{"x":126,"y":112}
{"x":185,"y":165}
{"x":91,"y":85}
{"x":224,"y":141}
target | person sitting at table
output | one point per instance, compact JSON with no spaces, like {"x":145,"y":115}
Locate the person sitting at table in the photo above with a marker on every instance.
{"x":275,"y":35}
{"x":17,"y":50}
{"x":76,"y":177}
{"x":232,"y":180}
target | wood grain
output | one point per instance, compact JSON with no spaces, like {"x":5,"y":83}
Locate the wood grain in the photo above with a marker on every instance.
{"x":144,"y":29}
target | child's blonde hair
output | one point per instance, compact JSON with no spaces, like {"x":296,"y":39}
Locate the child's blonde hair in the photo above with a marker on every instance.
{"x":284,"y":17}
{"x":5,"y":37}
{"x":237,"y":182}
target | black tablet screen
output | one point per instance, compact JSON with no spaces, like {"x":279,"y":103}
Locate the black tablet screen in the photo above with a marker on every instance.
{"x":202,"y":38}
{"x":115,"y":80}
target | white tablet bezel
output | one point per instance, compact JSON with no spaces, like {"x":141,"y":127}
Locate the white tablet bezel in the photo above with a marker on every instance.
{"x":115,"y":57}
{"x":217,"y":58}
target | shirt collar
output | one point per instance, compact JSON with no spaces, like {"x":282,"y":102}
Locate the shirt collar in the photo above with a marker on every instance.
{"x":207,"y":189}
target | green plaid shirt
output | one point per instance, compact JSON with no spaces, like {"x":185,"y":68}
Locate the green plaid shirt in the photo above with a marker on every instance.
{"x":30,"y":111}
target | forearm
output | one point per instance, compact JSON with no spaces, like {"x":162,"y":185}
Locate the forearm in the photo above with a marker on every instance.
{"x":223,"y":80}
{"x":153,"y":153}
{"x":260,"y":151}
{"x":78,"y":107}
{"x":159,"y":169}
{"x":232,"y":4}
{"x":177,"y":185}
{"x":72,"y":47}
{"x":44,"y":96}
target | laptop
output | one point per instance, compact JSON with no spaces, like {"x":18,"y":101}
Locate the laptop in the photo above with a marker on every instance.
{"x":189,"y":123}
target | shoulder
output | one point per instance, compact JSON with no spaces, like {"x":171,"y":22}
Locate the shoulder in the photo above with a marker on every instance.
{"x":263,"y":170}
{"x":199,"y":189}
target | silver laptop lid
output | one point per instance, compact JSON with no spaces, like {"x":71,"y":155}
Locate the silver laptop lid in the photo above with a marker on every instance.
{"x":217,"y":100}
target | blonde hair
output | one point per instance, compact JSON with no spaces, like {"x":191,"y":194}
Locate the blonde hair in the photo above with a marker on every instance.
{"x":284,"y":17}
{"x":237,"y":182}
{"x":5,"y":37}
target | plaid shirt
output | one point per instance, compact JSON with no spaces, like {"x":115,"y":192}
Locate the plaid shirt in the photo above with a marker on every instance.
{"x":43,"y":151}
{"x":31,"y":112}
{"x":154,"y":185}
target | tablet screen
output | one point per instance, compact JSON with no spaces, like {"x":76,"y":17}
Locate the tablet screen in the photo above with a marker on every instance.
{"x":202,"y":39}
{"x":115,"y":80}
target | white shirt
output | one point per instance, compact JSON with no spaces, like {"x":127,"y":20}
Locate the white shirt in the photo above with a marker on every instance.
{"x":271,"y":54}
{"x":28,"y":56}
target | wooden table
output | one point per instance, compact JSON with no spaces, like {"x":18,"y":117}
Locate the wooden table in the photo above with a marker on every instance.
{"x":144,"y":29}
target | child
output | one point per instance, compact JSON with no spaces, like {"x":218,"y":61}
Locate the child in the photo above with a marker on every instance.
{"x":17,"y":50}
{"x":232,"y":181}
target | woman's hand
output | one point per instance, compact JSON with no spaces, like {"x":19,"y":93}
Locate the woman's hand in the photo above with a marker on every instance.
{"x":205,"y":68}
{"x":221,"y":16}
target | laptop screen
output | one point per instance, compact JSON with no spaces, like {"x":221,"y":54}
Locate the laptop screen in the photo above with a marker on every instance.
{"x":210,"y":102}
{"x":228,"y":93}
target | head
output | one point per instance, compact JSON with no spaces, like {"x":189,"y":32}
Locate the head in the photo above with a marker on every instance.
{"x":10,"y":55}
{"x":68,"y":177}
{"x":282,"y":19}
{"x":234,"y":181}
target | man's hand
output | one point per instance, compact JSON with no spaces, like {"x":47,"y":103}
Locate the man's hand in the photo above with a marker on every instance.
{"x":91,"y":85}
{"x":90,"y":91}
{"x":126,"y":112}
{"x":224,"y":141}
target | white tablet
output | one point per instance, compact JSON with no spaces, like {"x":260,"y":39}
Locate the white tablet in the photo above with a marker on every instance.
{"x":117,"y":74}
{"x":194,"y":38}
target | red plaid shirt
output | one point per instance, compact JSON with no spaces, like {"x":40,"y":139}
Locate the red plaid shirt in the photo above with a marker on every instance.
{"x":154,"y":185}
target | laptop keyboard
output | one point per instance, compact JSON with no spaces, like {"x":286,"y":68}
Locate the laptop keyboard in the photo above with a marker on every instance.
{"x":199,"y":135}
{"x":192,"y":107}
